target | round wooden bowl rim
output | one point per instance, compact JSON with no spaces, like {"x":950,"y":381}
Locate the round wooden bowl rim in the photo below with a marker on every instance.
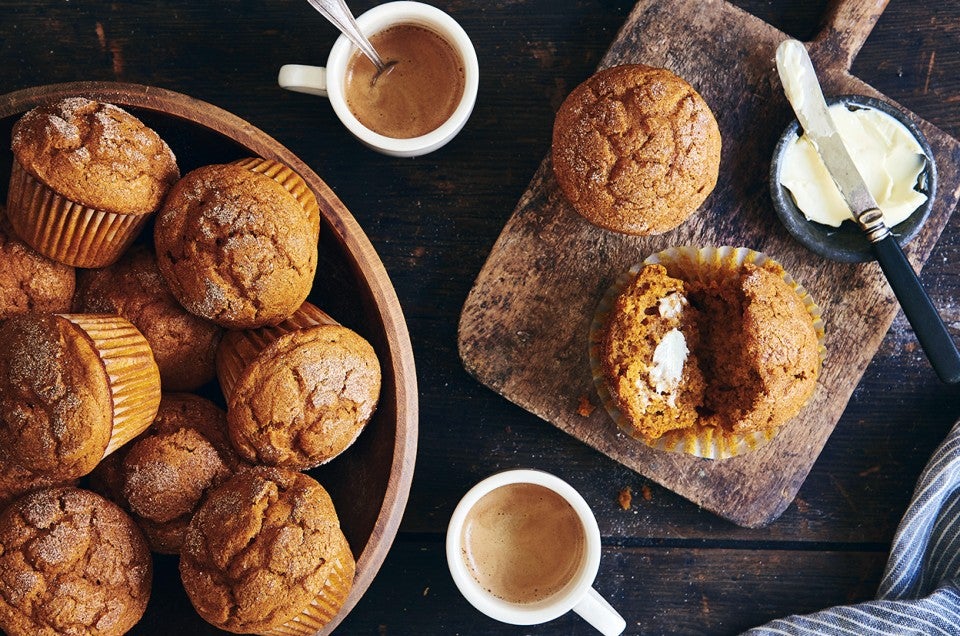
{"x":358,"y":246}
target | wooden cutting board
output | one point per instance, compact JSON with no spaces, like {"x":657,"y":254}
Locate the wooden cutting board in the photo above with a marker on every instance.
{"x":524,"y":327}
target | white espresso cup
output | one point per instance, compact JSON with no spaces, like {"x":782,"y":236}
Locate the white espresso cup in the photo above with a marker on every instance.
{"x":329,"y":81}
{"x":573,"y":592}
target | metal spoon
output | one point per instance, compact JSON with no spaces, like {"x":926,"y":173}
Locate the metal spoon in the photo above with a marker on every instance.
{"x":337,"y":12}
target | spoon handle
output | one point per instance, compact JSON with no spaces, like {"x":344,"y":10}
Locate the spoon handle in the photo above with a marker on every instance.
{"x":339,"y":14}
{"x":920,"y":312}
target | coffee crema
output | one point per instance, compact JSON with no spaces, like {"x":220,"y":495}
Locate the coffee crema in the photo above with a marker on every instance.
{"x":523,"y":543}
{"x":417,"y":93}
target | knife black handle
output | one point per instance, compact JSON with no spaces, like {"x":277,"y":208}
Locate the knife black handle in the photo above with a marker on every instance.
{"x":920,"y":312}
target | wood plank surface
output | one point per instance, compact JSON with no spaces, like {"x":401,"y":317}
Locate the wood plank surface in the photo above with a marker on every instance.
{"x":698,"y":591}
{"x":433,"y":220}
{"x":525,"y":324}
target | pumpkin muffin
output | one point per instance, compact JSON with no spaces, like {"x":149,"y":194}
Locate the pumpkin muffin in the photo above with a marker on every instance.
{"x":161,"y":477}
{"x":165,"y":477}
{"x":265,"y":555}
{"x":30,"y":282}
{"x":184,"y":345}
{"x":16,"y":481}
{"x":649,"y":354}
{"x":86,"y":177}
{"x":73,"y":388}
{"x":718,"y":347}
{"x":236,"y":247}
{"x":635,"y":149}
{"x":297,"y":396}
{"x":71,"y":562}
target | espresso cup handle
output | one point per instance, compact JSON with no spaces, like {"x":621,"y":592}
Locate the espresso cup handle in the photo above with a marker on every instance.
{"x":595,"y":609}
{"x":303,"y":78}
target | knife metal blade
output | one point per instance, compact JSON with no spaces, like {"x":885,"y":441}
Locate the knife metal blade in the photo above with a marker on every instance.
{"x":803,"y":92}
{"x":806,"y":97}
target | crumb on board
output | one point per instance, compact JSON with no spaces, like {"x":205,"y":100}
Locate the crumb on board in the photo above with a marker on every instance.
{"x":585,"y":407}
{"x":625,"y":497}
{"x":646,"y":492}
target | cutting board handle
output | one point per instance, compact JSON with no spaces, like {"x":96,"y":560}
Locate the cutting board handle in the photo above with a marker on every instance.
{"x":845,"y":28}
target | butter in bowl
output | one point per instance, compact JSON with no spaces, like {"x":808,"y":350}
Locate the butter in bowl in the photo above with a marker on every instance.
{"x":892,"y":154}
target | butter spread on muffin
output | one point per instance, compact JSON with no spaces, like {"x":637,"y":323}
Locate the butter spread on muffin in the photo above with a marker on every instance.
{"x":646,"y":354}
{"x":635,"y":149}
{"x":732,"y":350}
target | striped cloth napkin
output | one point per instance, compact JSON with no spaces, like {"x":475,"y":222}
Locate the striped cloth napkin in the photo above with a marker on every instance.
{"x":920,"y":589}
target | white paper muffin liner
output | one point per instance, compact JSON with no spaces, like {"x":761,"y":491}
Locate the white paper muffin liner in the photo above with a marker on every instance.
{"x":692,"y":263}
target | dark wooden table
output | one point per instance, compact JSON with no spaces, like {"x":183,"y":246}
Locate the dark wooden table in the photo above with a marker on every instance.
{"x":667,"y":566}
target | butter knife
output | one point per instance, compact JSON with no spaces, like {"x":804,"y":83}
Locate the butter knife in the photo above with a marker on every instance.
{"x":803,"y":91}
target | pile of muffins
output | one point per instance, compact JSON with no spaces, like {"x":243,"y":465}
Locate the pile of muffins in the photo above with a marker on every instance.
{"x":699,"y":349}
{"x":107,"y":449}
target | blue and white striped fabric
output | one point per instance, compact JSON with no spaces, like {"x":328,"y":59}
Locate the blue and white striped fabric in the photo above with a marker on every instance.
{"x":919,"y":593}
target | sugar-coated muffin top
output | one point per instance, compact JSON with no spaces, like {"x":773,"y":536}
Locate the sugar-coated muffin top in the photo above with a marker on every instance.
{"x":236,"y":247}
{"x":161,"y":476}
{"x":261,"y":548}
{"x":635,"y":149}
{"x":184,"y":345}
{"x":55,"y":402}
{"x":30,"y":281}
{"x":304,"y":398}
{"x":95,"y":154}
{"x":16,"y":481}
{"x":165,"y":475}
{"x":71,"y":562}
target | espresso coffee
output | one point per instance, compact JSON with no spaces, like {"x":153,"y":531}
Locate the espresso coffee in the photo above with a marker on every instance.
{"x":417,"y":93}
{"x":523,"y":543}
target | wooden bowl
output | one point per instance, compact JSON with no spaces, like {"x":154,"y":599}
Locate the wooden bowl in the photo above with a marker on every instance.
{"x":370,"y":482}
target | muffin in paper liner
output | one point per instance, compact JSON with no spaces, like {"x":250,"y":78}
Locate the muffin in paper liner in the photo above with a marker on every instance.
{"x":704,"y":265}
{"x":290,"y":180}
{"x":329,"y":378}
{"x":265,"y":554}
{"x":239,"y":348}
{"x":325,"y":606}
{"x":66,"y":231}
{"x":74,"y":387}
{"x":132,"y":373}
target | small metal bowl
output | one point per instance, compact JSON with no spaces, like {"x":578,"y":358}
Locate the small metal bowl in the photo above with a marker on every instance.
{"x":848,"y":243}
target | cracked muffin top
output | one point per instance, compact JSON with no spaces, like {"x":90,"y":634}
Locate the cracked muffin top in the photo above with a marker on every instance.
{"x":30,"y":281}
{"x":304,"y":398}
{"x":71,"y":563}
{"x":236,"y":247}
{"x":161,"y":477}
{"x":95,"y":154}
{"x":184,"y":345}
{"x":264,"y":547}
{"x":635,"y":149}
{"x":165,"y":477}
{"x":56,"y":412}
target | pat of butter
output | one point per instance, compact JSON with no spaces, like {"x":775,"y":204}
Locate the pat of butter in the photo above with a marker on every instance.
{"x":668,"y":359}
{"x":671,"y":306}
{"x":885,"y":152}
